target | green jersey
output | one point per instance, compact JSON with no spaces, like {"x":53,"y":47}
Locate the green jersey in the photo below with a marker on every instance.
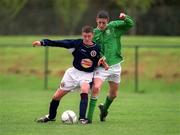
{"x":110,"y":39}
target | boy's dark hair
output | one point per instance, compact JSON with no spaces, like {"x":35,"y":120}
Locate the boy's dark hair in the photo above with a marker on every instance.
{"x":87,"y":29}
{"x":103,"y":14}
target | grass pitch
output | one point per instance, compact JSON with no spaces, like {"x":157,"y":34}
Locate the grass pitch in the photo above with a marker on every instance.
{"x":153,"y":111}
{"x":130,"y":114}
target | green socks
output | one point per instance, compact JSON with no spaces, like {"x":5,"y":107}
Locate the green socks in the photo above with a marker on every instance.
{"x":107,"y":103}
{"x":92,"y":106}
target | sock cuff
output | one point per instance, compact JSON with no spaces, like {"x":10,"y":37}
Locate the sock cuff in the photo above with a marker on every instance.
{"x":109,"y":98}
{"x":84,"y":95}
{"x":94,"y":98}
{"x":55,"y":101}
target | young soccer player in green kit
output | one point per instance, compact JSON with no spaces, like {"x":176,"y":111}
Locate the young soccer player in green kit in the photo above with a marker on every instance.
{"x":108,"y":35}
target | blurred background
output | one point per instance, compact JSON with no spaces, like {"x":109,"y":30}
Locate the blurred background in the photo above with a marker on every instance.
{"x":150,"y":48}
{"x":66,"y":17}
{"x":149,"y":92}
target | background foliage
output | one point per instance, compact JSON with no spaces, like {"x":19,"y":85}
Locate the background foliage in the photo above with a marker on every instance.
{"x":153,"y":17}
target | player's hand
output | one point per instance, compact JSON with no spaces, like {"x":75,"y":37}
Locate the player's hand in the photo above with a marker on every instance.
{"x":105,"y":65}
{"x":103,"y":62}
{"x":122,"y":16}
{"x":36,"y":43}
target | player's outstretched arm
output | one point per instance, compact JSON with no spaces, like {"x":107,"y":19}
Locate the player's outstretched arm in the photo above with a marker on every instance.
{"x":127,"y":19}
{"x":123,"y":23}
{"x":36,"y":43}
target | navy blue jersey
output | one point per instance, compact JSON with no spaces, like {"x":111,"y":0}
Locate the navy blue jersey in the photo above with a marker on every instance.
{"x":85,"y":57}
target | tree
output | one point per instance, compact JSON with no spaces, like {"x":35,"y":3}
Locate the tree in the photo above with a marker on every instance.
{"x":142,"y":5}
{"x":134,"y":6}
{"x":10,"y":8}
{"x":70,"y":12}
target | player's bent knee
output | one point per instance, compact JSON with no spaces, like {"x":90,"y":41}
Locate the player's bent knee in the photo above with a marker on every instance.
{"x":57,"y":96}
{"x":84,"y":90}
{"x":96,"y":87}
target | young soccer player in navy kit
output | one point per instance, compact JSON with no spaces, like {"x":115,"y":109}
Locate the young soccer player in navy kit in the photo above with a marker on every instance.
{"x":86,"y":58}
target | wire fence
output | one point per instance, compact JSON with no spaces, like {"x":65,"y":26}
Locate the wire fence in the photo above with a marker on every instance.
{"x":136,"y":49}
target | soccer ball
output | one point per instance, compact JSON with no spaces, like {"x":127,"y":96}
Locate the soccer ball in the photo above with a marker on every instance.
{"x":69,"y":117}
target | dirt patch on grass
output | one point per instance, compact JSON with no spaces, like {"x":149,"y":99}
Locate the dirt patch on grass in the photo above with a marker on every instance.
{"x":158,"y":75}
{"x":176,"y":75}
{"x":14,"y":70}
{"x":170,"y":74}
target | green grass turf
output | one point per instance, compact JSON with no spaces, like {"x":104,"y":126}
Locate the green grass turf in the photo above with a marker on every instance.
{"x":153,"y":113}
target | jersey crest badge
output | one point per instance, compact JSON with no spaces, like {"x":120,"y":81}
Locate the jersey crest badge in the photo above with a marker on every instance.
{"x":108,"y":31}
{"x":93,"y":53}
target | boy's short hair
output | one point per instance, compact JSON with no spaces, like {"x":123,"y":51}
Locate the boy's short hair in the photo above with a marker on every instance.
{"x":87,"y":29}
{"x":103,"y":14}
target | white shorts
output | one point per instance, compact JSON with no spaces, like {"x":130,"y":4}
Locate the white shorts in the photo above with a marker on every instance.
{"x":112,"y":74}
{"x":73,"y":79}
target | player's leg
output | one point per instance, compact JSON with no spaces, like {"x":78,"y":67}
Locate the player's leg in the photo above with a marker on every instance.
{"x":84,"y":100}
{"x":53,"y":106}
{"x":55,"y":102}
{"x":83,"y":79}
{"x":66,"y":85}
{"x":114,"y":80}
{"x":113,"y":91}
{"x":97,"y":84}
